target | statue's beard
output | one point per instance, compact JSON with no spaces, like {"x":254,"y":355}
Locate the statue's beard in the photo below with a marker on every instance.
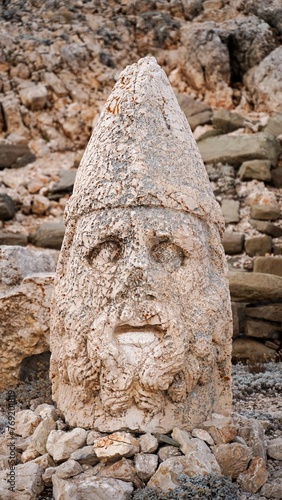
{"x":135,"y":352}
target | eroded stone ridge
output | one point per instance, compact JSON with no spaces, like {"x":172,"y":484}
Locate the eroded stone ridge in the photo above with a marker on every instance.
{"x":141,"y":323}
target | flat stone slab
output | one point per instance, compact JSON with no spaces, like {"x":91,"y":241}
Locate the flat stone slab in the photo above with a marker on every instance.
{"x":234,"y":150}
{"x":253,"y":287}
{"x":269,"y":265}
{"x":15,"y":155}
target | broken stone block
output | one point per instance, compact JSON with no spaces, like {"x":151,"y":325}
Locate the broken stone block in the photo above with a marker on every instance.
{"x":249,"y":349}
{"x":26,"y":422}
{"x":265,"y":212}
{"x":15,"y":155}
{"x":221,"y":428}
{"x":262,"y":329}
{"x":203,"y":435}
{"x":41,"y":433}
{"x":234,"y":150}
{"x":28,"y":484}
{"x":269,"y":265}
{"x":274,"y":448}
{"x":255,"y":169}
{"x":54,"y":83}
{"x":88,"y":486}
{"x":274,"y":125}
{"x":258,"y":245}
{"x":227,"y":121}
{"x":194,"y":464}
{"x":267,"y":228}
{"x":272,"y":489}
{"x":233,"y":243}
{"x":40,"y":204}
{"x":146,"y":465}
{"x":148,"y":443}
{"x":276,"y":177}
{"x":232,"y":458}
{"x":69,"y":468}
{"x":116,"y":445}
{"x":168,"y":452}
{"x":34,"y":96}
{"x":230,"y":210}
{"x":7,"y":209}
{"x":85,"y":455}
{"x":256,"y":475}
{"x":271,"y":312}
{"x":64,"y":184}
{"x":254,"y":287}
{"x":48,"y":235}
{"x":123,"y":470}
{"x":61,"y":444}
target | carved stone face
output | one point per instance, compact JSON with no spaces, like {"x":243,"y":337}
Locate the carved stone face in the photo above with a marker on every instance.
{"x":142,"y":313}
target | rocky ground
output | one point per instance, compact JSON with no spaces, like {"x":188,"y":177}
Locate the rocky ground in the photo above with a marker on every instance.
{"x":257,"y":391}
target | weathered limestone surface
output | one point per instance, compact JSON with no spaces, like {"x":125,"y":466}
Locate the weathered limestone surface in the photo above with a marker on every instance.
{"x":141,"y":323}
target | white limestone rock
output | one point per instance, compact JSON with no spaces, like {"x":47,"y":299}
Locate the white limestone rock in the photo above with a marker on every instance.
{"x":148,"y":443}
{"x":61,"y":444}
{"x":29,"y":483}
{"x":115,"y":446}
{"x":232,"y":458}
{"x":26,"y":422}
{"x":84,"y":486}
{"x":68,"y":469}
{"x":145,"y":465}
{"x":203,"y":435}
{"x":274,"y":448}
{"x":221,"y":428}
{"x":41,"y":433}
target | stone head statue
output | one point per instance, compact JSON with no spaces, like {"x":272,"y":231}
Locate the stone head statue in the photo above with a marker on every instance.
{"x":141,"y":322}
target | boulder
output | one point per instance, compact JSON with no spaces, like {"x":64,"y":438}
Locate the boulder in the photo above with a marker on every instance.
{"x":233,"y":243}
{"x":227,"y":121}
{"x":13,"y":239}
{"x":123,"y":470}
{"x":276,"y":177}
{"x":262,"y":329}
{"x":221,"y":428}
{"x":258,"y":245}
{"x":248,"y":349}
{"x":24,"y":317}
{"x":264,"y":82}
{"x":28,"y":482}
{"x":272,"y":489}
{"x":7,"y":209}
{"x":269,"y":265}
{"x":15,"y":155}
{"x":148,"y":443}
{"x":60,"y":445}
{"x":33,"y":96}
{"x":254,"y":478}
{"x":265,"y":212}
{"x":26,"y":423}
{"x":232,"y":458}
{"x":41,"y":433}
{"x":271,"y":312}
{"x":270,"y":11}
{"x":168,"y":452}
{"x":116,"y":445}
{"x":252,"y":431}
{"x":230,"y":210}
{"x":64,"y":184}
{"x":255,"y":169}
{"x":86,"y":485}
{"x":193,"y":464}
{"x":85,"y":455}
{"x":234,"y":150}
{"x":253,"y":287}
{"x":68,"y":469}
{"x":48,"y":235}
{"x":274,"y":126}
{"x":274,"y":448}
{"x":267,"y":228}
{"x":146,"y":465}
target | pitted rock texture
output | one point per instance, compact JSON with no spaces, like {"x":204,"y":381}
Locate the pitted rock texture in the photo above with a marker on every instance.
{"x":141,"y":323}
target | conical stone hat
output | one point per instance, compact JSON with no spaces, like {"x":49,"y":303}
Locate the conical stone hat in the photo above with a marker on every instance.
{"x":142,"y":152}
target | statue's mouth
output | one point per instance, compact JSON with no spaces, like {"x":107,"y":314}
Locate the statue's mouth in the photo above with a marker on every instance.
{"x":138,"y":335}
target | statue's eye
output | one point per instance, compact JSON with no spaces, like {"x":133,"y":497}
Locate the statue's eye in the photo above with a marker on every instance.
{"x":107,"y":252}
{"x":168,"y":254}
